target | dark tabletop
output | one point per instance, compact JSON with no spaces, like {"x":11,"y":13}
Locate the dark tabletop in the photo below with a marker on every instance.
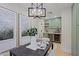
{"x":23,"y":51}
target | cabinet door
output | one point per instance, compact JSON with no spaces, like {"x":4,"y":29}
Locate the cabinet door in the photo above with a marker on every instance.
{"x":77,"y":29}
{"x":77,"y":14}
{"x":77,"y":37}
{"x":74,"y":30}
{"x":57,"y":38}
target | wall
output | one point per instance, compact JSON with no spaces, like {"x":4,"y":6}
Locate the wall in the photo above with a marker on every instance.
{"x":7,"y":44}
{"x":66,"y":30}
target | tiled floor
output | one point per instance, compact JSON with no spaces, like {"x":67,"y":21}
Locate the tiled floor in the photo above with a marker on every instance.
{"x":57,"y":51}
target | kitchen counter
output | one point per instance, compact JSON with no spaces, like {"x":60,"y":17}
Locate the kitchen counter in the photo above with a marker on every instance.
{"x":51,"y":33}
{"x":55,"y":37}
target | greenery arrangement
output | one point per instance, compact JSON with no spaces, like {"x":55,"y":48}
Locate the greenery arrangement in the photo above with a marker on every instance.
{"x":32,"y":32}
{"x":6,"y":34}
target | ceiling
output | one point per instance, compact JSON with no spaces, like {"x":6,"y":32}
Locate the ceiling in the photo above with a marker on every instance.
{"x":54,"y":9}
{"x":51,"y":8}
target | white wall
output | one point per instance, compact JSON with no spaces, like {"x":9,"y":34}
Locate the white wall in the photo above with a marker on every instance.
{"x":7,"y":44}
{"x":40,"y":27}
{"x":66,"y":30}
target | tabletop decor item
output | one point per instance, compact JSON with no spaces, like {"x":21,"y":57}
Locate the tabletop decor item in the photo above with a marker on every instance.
{"x":32,"y":33}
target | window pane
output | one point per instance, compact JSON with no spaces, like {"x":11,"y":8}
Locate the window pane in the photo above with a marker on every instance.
{"x":24,"y":25}
{"x":7,"y":21}
{"x":7,"y":29}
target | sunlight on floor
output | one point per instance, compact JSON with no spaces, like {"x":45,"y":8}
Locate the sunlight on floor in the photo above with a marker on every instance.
{"x":58,"y":50}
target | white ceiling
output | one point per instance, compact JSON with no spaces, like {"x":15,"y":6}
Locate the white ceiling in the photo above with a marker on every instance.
{"x":53,"y":9}
{"x":49,"y":6}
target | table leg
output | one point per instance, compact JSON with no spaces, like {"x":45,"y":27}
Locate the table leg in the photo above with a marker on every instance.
{"x":52,"y":45}
{"x":10,"y":54}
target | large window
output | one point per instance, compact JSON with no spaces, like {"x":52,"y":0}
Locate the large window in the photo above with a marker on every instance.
{"x":25,"y":25}
{"x":7,"y":24}
{"x":7,"y":29}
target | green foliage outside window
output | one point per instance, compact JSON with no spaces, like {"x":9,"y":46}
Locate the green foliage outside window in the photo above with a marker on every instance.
{"x":30,"y":32}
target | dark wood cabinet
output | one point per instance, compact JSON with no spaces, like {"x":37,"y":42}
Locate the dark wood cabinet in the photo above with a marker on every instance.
{"x":55,"y":37}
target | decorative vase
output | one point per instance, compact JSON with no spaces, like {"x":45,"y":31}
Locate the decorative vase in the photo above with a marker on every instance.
{"x":33,"y":40}
{"x":33,"y":44}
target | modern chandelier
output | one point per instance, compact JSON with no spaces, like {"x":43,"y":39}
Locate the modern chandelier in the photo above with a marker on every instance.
{"x":37,"y":10}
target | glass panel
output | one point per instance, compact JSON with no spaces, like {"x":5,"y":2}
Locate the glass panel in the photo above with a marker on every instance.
{"x":7,"y":29}
{"x":24,"y":25}
{"x":7,"y":24}
{"x":53,"y":24}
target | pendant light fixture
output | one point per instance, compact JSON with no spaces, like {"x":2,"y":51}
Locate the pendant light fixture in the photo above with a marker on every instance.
{"x":37,"y":10}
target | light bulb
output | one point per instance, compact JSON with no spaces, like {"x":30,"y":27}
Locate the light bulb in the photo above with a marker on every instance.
{"x":34,"y":10}
{"x":39,"y":12}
